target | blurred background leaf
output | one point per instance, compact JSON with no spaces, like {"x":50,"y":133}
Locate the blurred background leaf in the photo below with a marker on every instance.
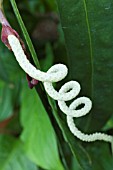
{"x":12,"y":155}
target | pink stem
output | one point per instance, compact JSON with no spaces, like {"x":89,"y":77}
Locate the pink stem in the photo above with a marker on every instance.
{"x":3,"y":20}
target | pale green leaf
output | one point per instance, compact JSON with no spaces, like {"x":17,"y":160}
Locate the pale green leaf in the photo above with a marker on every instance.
{"x":38,"y":135}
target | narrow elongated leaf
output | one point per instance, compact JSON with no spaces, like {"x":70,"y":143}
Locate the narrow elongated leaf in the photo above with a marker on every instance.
{"x":12,"y":156}
{"x":38,"y":135}
{"x":87,"y":26}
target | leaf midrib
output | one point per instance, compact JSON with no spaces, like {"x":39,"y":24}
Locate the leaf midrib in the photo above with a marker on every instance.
{"x":91,"y":58}
{"x":90,"y":44}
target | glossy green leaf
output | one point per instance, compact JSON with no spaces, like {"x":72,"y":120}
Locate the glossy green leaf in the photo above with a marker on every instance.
{"x":38,"y":135}
{"x":87,"y":26}
{"x":12,"y":156}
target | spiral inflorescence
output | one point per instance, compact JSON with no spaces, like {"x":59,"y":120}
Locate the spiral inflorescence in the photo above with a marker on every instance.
{"x":68,"y":91}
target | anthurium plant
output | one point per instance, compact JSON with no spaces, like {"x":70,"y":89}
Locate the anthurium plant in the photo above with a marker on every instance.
{"x":47,"y":124}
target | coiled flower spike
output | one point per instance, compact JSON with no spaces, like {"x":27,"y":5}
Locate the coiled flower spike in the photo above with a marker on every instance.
{"x":67,"y":92}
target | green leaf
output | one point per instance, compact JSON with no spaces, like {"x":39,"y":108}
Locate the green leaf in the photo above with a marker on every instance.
{"x":12,"y":156}
{"x":87,"y":26}
{"x":38,"y":135}
{"x":26,"y":35}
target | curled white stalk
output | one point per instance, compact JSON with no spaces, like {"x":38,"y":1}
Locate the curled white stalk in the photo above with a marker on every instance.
{"x":67,"y":92}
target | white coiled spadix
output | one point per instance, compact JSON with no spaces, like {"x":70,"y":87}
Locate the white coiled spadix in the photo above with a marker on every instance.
{"x":67,"y":92}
